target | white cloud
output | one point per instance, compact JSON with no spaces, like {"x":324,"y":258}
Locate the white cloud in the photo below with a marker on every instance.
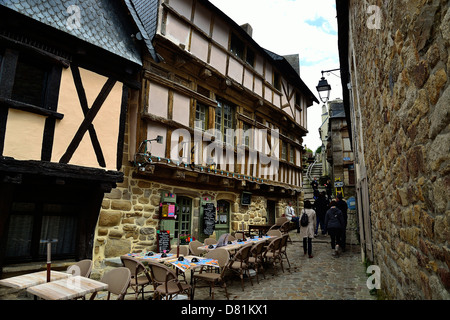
{"x":295,"y":26}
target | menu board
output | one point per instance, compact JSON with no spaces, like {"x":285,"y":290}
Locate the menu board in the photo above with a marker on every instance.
{"x":246,"y":198}
{"x":163,"y":237}
{"x":209,"y":218}
{"x":167,"y":210}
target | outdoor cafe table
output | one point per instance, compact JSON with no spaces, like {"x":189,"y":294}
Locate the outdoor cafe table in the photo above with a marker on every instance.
{"x":156,"y":257}
{"x":262,"y":228}
{"x":236,"y":244}
{"x":32,"y":279}
{"x":70,"y":288}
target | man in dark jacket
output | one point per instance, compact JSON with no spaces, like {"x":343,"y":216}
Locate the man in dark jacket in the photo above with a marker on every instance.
{"x":321,"y":207}
{"x":334,"y":224}
{"x":342,"y":205}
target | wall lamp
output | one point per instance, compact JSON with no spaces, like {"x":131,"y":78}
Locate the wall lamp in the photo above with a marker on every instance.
{"x":144,"y":156}
{"x":324,"y":88}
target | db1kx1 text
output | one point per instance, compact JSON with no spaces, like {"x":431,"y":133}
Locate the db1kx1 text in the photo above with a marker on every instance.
{"x":246,"y":309}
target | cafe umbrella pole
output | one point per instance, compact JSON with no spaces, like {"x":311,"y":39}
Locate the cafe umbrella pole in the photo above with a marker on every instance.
{"x":49,"y":255}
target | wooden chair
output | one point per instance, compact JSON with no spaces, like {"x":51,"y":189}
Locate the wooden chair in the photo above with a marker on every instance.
{"x":140,"y":278}
{"x":165,"y":282}
{"x":256,"y":258}
{"x":239,"y":263}
{"x":212,"y":277}
{"x":273,"y":253}
{"x":118,"y":281}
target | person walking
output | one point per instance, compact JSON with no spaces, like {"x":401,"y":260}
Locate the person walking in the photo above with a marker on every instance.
{"x":334,"y":223}
{"x":315,"y":187}
{"x":341,"y":204}
{"x":290,"y":215}
{"x":329,"y":188}
{"x":321,"y":207}
{"x":307,"y":232}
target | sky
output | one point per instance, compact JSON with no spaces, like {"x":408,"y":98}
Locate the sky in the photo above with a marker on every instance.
{"x":307,"y":28}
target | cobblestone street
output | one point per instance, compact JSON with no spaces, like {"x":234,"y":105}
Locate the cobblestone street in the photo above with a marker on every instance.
{"x":322,"y":277}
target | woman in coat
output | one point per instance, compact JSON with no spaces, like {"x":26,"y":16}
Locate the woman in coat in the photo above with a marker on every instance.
{"x":307,"y":233}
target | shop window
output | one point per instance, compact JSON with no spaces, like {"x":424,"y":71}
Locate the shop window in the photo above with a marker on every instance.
{"x":31,"y":222}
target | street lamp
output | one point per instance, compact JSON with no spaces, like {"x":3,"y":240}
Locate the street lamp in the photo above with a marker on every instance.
{"x":324,"y":88}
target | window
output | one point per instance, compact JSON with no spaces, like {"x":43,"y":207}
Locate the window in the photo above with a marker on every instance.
{"x":291,"y":154}
{"x":30,"y":81}
{"x":225,"y":121}
{"x":283,"y":150}
{"x":276,"y":81}
{"x":31,"y":222}
{"x":183,"y":221}
{"x":250,"y":57}
{"x":240,"y":50}
{"x":201,"y":116}
{"x":297,"y":99}
{"x":247,"y":134}
{"x":237,"y":47}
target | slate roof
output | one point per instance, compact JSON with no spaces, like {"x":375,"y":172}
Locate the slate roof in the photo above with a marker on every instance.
{"x":145,"y":15}
{"x":103,"y":23}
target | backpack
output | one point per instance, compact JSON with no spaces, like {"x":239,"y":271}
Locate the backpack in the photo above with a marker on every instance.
{"x":304,"y":221}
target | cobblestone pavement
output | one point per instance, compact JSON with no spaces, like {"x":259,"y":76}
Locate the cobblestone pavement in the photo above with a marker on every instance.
{"x":322,"y":277}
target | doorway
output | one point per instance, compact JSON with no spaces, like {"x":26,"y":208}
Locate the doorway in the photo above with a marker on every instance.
{"x":223,"y":218}
{"x":183,"y":221}
{"x":271,"y":211}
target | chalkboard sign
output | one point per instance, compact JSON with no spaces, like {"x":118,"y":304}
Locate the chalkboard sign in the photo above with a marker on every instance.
{"x":163,"y":237}
{"x":209,"y":218}
{"x":246,"y":198}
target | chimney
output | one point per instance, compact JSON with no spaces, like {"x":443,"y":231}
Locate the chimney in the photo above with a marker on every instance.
{"x":248,"y":28}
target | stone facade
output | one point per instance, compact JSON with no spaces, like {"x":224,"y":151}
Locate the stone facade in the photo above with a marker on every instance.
{"x":400,"y":105}
{"x":129,"y":216}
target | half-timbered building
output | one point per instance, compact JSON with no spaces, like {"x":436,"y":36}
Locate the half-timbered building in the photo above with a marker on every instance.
{"x":66,"y":71}
{"x":219,"y":120}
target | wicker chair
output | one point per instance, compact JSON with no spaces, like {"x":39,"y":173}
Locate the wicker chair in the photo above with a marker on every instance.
{"x":165,"y":282}
{"x":273,"y":253}
{"x":283,"y":253}
{"x":239,"y":263}
{"x":81,"y":268}
{"x":118,"y":281}
{"x":193,"y":248}
{"x":256,"y":258}
{"x":209,"y":241}
{"x":140,"y":278}
{"x":212,"y":277}
{"x":184,"y":250}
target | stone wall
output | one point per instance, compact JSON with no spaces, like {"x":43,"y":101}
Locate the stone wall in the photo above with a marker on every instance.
{"x":402,"y":72}
{"x":129,"y":217}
